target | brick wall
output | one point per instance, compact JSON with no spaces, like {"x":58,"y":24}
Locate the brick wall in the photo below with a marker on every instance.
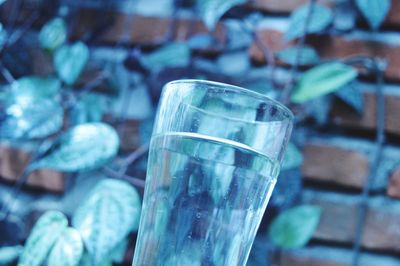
{"x":337,"y":160}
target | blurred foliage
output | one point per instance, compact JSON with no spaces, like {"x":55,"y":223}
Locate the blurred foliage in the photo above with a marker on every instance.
{"x":294,"y":228}
{"x":323,"y":79}
{"x":81,"y":148}
{"x":67,"y":118}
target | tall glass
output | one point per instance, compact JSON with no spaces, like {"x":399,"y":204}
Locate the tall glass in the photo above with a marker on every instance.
{"x":214,"y":159}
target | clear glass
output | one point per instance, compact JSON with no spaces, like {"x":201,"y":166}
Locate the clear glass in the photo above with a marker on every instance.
{"x":214,"y":159}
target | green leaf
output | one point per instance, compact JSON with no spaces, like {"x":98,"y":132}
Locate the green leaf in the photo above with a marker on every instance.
{"x":320,"y":19}
{"x":68,"y":249}
{"x":323,"y":79}
{"x":31,"y":88}
{"x":293,"y":157}
{"x":117,"y":254}
{"x":9,"y":254}
{"x":53,"y":34}
{"x":307,"y":56}
{"x":38,"y":119}
{"x":107,"y":216}
{"x":43,"y":236}
{"x":172,"y":55}
{"x":352,"y":97}
{"x":70,"y":60}
{"x":83,"y":147}
{"x":86,"y":260}
{"x":212,"y":10}
{"x":90,"y":108}
{"x":374,"y":11}
{"x":293,"y":228}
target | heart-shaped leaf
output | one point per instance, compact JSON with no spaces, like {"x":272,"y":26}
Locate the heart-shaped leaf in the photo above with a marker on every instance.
{"x":9,"y":254}
{"x":212,"y":10}
{"x":108,"y":215}
{"x":68,"y":249}
{"x":70,"y":60}
{"x":293,"y":157}
{"x":53,"y":34}
{"x":352,"y":97}
{"x":307,"y":55}
{"x":293,"y":228}
{"x":374,"y":11}
{"x":321,"y":17}
{"x":323,"y":79}
{"x":31,"y":88}
{"x":44,"y":234}
{"x":171,"y":55}
{"x":32,"y":120}
{"x":83,"y":147}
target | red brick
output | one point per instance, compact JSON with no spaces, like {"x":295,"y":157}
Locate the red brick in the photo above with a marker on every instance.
{"x":339,"y":47}
{"x":335,"y":165}
{"x":335,"y":47}
{"x":129,"y":135}
{"x":138,"y":29}
{"x":394,"y":184}
{"x":13,"y":162}
{"x":278,"y":6}
{"x":393,"y":18}
{"x":326,"y":256}
{"x":339,"y":218}
{"x":343,"y":115}
{"x":293,"y":260}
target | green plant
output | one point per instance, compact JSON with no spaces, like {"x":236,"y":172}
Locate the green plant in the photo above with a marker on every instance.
{"x":64,"y":119}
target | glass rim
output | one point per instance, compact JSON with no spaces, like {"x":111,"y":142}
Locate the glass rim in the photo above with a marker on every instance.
{"x":220,"y":85}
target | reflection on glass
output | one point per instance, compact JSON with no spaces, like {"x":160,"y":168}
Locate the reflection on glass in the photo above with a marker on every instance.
{"x":214,"y":159}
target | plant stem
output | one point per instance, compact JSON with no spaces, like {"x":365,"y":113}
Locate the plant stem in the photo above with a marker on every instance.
{"x":287,"y":91}
{"x":132,"y":180}
{"x":6,"y":73}
{"x":378,"y":68}
{"x":136,"y":154}
{"x":44,"y":146}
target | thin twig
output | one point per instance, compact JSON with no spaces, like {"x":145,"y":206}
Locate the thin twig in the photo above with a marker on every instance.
{"x":16,"y":6}
{"x":379,"y":68}
{"x":287,"y":91}
{"x":267,"y":53}
{"x":15,"y":36}
{"x":93,"y":83}
{"x":44,"y":146}
{"x":132,"y":180}
{"x":6,"y":73}
{"x":139,"y":152}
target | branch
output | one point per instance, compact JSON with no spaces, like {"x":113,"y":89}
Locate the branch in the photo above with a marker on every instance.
{"x":267,"y":53}
{"x":378,"y":66}
{"x":287,"y":91}
{"x":143,"y":149}
{"x":132,"y":180}
{"x":6,"y":73}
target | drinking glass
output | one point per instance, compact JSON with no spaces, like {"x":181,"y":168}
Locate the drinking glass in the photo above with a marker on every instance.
{"x":214,"y":158}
